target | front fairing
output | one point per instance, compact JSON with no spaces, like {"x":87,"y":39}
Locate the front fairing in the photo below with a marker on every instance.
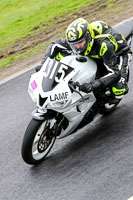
{"x":50,"y":84}
{"x":49,"y":87}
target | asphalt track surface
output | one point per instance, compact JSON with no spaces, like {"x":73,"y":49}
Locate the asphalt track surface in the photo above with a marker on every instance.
{"x":95,"y":163}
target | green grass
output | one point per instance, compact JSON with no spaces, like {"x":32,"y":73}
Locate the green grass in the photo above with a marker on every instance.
{"x":118,"y":10}
{"x":30,"y":52}
{"x":21,"y":19}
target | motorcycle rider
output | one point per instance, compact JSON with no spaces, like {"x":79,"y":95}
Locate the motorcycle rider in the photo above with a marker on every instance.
{"x":101,"y":42}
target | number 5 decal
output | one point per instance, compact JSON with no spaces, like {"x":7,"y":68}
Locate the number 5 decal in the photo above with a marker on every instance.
{"x":62,"y":72}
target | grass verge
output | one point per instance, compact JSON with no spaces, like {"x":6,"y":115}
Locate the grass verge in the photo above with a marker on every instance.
{"x":26,"y":25}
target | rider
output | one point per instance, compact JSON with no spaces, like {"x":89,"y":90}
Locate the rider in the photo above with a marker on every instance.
{"x":101,"y":42}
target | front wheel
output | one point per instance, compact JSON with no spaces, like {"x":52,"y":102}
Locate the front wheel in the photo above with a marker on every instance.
{"x":37,"y":141}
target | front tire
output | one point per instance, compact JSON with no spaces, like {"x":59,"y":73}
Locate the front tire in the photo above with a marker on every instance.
{"x":36,"y":142}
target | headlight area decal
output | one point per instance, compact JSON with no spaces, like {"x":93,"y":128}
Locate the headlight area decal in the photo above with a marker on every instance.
{"x":59,"y":96}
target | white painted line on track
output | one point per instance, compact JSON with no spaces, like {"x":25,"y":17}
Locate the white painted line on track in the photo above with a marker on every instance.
{"x":15,"y":75}
{"x":131,"y":198}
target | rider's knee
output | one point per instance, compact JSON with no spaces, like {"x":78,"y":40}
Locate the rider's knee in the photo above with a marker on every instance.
{"x":119,"y":89}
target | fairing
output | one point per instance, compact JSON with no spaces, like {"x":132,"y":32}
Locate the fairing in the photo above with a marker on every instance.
{"x":52,"y":85}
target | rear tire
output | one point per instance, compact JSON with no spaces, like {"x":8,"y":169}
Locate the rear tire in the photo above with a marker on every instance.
{"x":36,"y":144}
{"x":107,"y":108}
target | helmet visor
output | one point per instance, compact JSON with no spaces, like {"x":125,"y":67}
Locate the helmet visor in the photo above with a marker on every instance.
{"x":80,"y":46}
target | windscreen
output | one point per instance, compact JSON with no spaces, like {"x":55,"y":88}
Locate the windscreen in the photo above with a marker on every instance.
{"x":53,"y":73}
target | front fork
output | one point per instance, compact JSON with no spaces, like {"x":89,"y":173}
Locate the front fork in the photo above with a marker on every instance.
{"x":42,"y":114}
{"x":56,"y":120}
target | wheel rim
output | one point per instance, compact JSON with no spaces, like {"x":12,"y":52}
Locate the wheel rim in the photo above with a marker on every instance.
{"x":41,"y":144}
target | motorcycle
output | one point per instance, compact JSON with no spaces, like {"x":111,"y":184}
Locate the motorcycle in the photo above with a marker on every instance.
{"x":62,"y":108}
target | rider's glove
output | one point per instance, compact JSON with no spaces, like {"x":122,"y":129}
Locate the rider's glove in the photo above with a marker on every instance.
{"x":93,"y":86}
{"x":86,"y":87}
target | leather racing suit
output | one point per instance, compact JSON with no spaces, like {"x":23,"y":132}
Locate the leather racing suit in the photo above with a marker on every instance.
{"x":110,"y":48}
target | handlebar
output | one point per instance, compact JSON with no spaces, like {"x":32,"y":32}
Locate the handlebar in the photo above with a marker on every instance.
{"x":73,"y":86}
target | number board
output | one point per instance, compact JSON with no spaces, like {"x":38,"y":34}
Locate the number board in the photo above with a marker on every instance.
{"x":53,"y":73}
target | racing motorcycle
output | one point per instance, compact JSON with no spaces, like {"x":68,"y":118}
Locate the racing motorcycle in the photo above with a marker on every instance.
{"x":62,"y":108}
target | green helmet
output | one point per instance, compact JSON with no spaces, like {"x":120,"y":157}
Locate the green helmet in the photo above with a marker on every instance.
{"x":78,"y":31}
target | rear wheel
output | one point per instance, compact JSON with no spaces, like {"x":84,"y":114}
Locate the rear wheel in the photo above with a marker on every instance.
{"x":107,"y":107}
{"x":38,"y":141}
